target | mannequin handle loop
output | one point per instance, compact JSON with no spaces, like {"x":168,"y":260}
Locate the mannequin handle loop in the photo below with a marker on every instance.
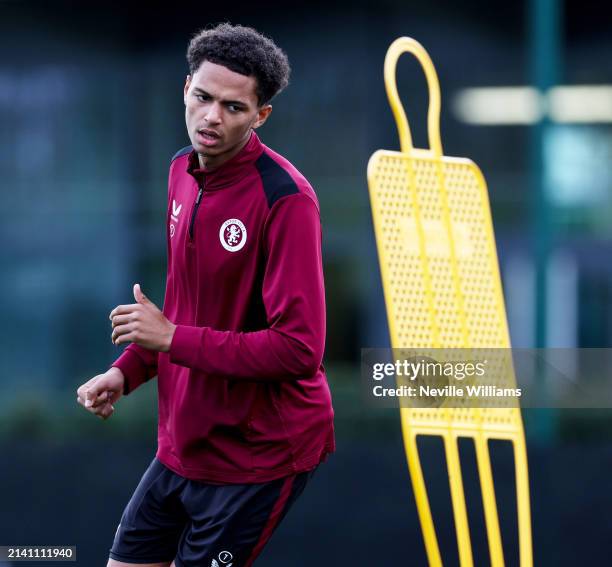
{"x":397,"y":48}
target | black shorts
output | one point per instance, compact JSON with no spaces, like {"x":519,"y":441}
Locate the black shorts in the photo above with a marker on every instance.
{"x":201,"y":525}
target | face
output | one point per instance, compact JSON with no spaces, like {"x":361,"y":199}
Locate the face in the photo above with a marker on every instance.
{"x":221,"y":108}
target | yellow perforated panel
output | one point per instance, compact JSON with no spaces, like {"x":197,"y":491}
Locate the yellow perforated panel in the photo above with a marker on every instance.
{"x":442,"y":279}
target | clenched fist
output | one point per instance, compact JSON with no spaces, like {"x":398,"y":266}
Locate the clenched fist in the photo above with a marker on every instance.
{"x":100,"y":393}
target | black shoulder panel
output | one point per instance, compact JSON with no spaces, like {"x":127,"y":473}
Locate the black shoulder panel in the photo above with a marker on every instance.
{"x":276,"y":181}
{"x":182,"y":152}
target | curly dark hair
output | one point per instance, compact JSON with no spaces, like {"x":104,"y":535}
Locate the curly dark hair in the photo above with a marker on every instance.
{"x":245,"y":51}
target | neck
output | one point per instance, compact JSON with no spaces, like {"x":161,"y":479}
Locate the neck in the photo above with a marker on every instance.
{"x":213,"y":162}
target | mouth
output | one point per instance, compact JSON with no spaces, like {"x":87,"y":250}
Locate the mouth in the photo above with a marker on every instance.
{"x":208,"y":137}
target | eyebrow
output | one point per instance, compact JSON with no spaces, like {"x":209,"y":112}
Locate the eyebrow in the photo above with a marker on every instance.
{"x":237,"y":102}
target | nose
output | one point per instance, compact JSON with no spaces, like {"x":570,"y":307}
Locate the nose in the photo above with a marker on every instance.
{"x":213,"y":114}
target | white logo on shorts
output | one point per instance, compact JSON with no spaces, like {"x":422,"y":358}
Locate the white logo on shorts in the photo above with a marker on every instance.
{"x":225,"y":557}
{"x":233,"y":235}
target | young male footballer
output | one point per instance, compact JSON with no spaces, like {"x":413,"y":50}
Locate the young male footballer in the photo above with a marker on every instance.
{"x":245,"y":413}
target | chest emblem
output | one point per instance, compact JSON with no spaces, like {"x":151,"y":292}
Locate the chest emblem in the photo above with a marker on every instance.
{"x":233,"y":235}
{"x":176,"y":211}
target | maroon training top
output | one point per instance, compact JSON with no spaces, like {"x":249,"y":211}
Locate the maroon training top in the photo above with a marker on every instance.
{"x":243,"y":395}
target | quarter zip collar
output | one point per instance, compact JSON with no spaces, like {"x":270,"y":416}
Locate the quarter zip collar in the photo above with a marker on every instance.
{"x":230,"y":171}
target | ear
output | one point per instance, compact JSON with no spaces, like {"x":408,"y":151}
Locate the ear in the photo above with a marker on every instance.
{"x":187,"y":83}
{"x":262,"y":115}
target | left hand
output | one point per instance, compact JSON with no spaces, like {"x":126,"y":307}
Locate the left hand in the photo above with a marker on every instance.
{"x":141,"y":323}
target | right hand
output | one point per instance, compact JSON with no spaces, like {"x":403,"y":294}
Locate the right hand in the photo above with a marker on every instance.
{"x":100,"y":393}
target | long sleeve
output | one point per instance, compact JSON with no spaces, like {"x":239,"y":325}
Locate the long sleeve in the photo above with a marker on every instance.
{"x":294,"y":298}
{"x":138,"y":365}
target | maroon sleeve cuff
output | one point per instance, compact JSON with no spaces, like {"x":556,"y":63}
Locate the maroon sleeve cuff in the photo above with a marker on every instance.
{"x":133,"y":368}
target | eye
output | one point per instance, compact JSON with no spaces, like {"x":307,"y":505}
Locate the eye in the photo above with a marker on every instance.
{"x":233,"y":108}
{"x":202,"y":97}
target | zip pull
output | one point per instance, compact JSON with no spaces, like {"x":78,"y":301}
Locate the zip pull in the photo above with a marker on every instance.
{"x":195,"y":210}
